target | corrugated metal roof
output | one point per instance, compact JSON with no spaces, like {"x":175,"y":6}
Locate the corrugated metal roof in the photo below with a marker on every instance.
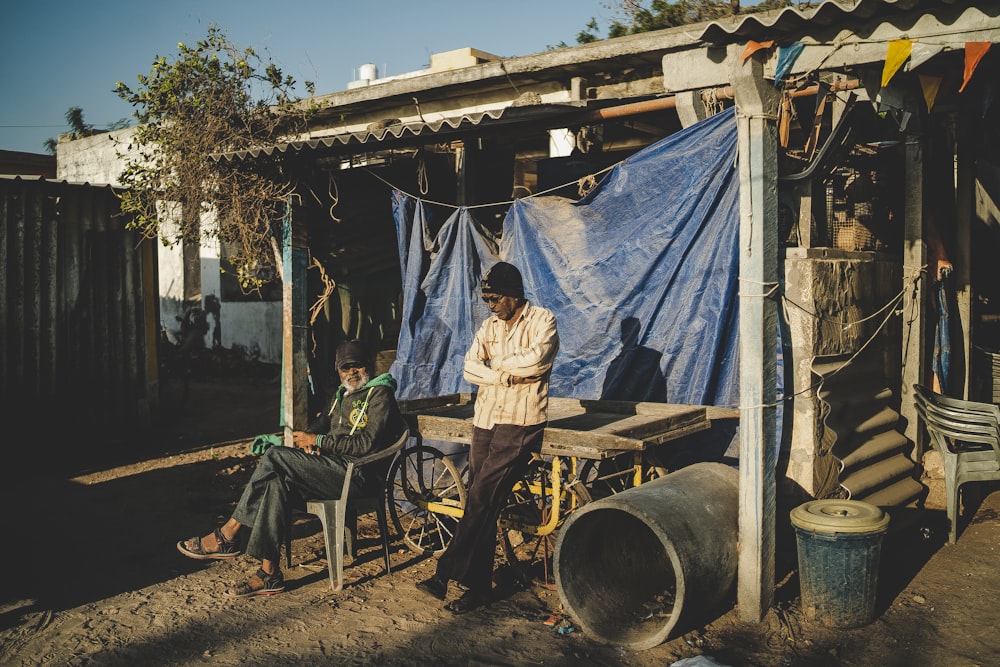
{"x":792,"y":20}
{"x":32,"y":178}
{"x":859,"y":422}
{"x":401,"y":133}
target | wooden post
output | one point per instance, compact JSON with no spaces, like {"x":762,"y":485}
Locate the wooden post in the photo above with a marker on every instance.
{"x":151,"y":323}
{"x":914,"y":281}
{"x":294,"y":326}
{"x":965,"y":195}
{"x":757,"y":105}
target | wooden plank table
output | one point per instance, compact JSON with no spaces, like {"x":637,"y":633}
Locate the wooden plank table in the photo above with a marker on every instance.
{"x":582,"y":428}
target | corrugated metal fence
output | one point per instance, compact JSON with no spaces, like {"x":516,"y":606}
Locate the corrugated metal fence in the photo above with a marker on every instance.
{"x":78,"y":312}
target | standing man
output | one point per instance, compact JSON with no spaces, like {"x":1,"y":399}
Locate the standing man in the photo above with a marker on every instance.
{"x":363,"y":418}
{"x":510,"y":360}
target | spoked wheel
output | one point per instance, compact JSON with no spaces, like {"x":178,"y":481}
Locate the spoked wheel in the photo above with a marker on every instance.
{"x":426,"y":498}
{"x":536,"y":508}
{"x":606,"y":477}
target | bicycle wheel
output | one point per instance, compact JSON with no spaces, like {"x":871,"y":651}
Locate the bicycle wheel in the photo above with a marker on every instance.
{"x":606,"y":477}
{"x":426,"y":498}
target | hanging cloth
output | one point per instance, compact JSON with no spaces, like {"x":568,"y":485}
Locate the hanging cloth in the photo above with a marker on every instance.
{"x":942,"y":338}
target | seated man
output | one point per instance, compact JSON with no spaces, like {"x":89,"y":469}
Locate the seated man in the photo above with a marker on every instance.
{"x":362,"y":418}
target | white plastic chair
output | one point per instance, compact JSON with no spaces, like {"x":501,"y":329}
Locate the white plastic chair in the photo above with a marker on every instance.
{"x":337,"y":534}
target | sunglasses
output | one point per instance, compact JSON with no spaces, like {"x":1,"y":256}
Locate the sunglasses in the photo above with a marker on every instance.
{"x":351,"y":367}
{"x":492,"y":300}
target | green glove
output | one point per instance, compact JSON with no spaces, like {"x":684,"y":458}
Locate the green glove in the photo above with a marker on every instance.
{"x":264,"y":442}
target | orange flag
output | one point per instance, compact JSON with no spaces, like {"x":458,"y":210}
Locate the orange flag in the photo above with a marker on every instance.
{"x":896,"y":55}
{"x":753,"y":47}
{"x":930,"y":85}
{"x":974,"y":52}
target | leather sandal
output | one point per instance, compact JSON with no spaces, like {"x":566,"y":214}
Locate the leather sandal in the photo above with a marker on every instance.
{"x":195,"y":548}
{"x":261,"y":583}
{"x":469,"y":601}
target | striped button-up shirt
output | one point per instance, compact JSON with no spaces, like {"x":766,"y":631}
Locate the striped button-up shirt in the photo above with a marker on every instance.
{"x":527,"y":349}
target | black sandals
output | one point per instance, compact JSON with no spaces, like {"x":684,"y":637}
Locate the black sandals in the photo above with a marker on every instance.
{"x":195,"y":548}
{"x":260,"y":583}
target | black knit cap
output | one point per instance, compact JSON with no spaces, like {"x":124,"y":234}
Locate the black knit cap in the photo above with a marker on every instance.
{"x":351,"y":354}
{"x":503,"y":279}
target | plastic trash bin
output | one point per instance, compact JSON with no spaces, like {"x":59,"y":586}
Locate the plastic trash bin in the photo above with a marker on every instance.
{"x":839,"y":543}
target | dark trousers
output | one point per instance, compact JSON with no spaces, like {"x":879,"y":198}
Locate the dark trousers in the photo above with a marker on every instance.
{"x":498,"y":457}
{"x":285,"y":478}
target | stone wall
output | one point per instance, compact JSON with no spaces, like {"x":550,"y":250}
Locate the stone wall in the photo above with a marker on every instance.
{"x":826,"y":290}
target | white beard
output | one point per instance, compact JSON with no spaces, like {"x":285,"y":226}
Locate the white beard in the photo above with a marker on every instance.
{"x":354,"y":385}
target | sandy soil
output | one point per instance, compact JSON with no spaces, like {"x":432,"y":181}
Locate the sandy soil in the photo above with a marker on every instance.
{"x":92,"y":577}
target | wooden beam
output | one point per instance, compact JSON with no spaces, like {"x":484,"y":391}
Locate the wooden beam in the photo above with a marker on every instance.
{"x":757,"y":104}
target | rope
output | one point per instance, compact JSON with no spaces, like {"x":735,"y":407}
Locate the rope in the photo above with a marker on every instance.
{"x":334,"y":196}
{"x":499,"y":203}
{"x":890,"y":306}
{"x":754,"y":116}
{"x":328,"y":287}
{"x":772,"y":288}
{"x":422,"y":181}
{"x":845,"y":325}
{"x":503,"y":68}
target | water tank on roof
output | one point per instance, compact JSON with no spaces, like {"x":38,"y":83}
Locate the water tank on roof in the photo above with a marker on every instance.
{"x":368,"y":71}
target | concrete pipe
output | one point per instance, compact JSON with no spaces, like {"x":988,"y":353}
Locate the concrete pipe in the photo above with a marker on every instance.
{"x":633,"y":566}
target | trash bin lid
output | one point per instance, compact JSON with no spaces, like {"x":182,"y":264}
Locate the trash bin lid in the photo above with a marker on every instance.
{"x":839,"y":516}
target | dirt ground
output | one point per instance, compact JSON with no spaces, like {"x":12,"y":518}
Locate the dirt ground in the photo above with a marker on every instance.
{"x":92,"y":577}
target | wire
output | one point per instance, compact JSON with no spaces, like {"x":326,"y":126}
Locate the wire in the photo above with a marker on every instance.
{"x":499,"y":203}
{"x":890,"y":306}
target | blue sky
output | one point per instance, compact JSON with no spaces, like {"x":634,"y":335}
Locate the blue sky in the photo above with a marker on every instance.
{"x":58,"y":54}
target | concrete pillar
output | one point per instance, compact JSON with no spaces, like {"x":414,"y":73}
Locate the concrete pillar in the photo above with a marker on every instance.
{"x":914,"y":284}
{"x":757,"y":107}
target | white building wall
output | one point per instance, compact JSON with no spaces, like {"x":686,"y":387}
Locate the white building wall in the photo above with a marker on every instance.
{"x":242,"y":326}
{"x":93,"y":159}
{"x":253,"y":326}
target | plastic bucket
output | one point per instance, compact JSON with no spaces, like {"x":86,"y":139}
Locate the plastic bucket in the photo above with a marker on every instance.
{"x":839,"y":543}
{"x":630,"y":567}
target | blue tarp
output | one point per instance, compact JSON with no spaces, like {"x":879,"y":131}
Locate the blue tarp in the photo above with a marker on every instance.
{"x":641,"y":275}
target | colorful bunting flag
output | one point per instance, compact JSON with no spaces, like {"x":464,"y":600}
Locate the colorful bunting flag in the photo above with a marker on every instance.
{"x":921,"y":53}
{"x":753,"y":47}
{"x":930,"y":85}
{"x":896,"y":55}
{"x":974,"y":52}
{"x":787,"y":55}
